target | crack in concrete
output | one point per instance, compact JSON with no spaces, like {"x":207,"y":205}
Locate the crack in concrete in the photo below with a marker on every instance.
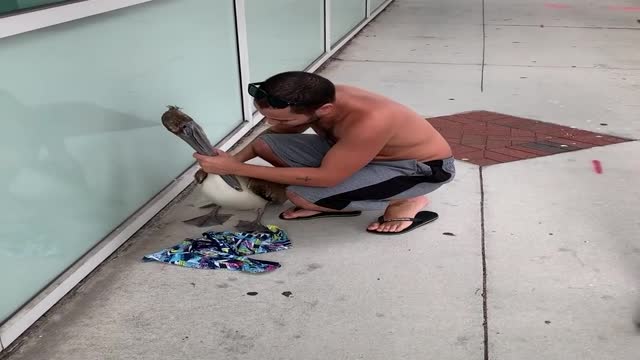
{"x":569,"y":27}
{"x":489,"y":64}
{"x":573,"y":253}
{"x":485,"y":323}
{"x":484,"y":47}
{"x":407,"y":62}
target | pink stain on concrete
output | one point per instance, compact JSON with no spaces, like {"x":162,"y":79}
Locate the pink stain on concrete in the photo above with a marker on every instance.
{"x":624,"y":8}
{"x":556,"y":6}
{"x":597,"y":166}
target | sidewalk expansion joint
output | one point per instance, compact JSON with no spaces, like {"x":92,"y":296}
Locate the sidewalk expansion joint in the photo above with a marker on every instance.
{"x":485,"y":323}
{"x":568,"y":26}
{"x":484,"y":47}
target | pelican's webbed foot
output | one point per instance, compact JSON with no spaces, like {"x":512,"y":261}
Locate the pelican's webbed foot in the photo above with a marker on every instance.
{"x":253,"y":226}
{"x":213,"y":218}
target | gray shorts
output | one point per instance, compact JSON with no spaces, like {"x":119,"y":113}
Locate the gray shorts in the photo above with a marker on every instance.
{"x":372,"y":187}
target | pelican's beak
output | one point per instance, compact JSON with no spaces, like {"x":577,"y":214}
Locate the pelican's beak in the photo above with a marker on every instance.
{"x":188,"y":130}
{"x":193,"y":135}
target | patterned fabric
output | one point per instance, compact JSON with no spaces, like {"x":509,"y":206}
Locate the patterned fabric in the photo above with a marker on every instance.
{"x":228,"y":250}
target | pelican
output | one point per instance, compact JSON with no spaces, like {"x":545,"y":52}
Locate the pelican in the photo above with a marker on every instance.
{"x":223,"y":191}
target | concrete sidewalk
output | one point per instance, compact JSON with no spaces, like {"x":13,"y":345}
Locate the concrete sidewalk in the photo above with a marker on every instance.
{"x":553,"y":243}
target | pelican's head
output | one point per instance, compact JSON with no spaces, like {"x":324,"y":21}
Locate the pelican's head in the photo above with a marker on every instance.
{"x":187,"y":129}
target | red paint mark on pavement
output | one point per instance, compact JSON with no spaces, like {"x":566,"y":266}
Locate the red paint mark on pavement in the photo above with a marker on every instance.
{"x":624,"y":8}
{"x":556,"y":6}
{"x":597,"y":166}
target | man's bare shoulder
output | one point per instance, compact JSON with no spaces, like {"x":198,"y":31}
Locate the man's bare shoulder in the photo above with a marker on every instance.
{"x":360,"y":93}
{"x":363,"y":124}
{"x":370,"y":103}
{"x":369,"y":111}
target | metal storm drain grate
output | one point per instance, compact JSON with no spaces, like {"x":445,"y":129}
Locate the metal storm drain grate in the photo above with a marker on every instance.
{"x":487,"y":138}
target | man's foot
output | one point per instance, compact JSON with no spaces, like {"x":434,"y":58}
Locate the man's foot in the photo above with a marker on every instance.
{"x":399,"y":209}
{"x":297,"y":213}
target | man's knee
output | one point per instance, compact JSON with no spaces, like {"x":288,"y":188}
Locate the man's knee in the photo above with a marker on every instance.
{"x":261,"y":147}
{"x":263,"y":150}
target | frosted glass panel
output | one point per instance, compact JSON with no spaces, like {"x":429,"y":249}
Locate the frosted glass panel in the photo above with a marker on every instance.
{"x":283,"y":35}
{"x":345,"y":15}
{"x":82,"y":146}
{"x":375,"y":4}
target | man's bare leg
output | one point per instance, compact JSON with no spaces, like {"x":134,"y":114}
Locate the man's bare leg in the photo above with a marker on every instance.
{"x":260,"y":149}
{"x":400,"y":209}
{"x":263,"y":150}
{"x":396,"y":209}
{"x":307,"y":208}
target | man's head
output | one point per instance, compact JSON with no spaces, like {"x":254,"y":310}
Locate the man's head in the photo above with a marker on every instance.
{"x":294,"y":98}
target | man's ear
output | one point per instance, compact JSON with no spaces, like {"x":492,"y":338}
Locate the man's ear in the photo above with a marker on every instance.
{"x":325,"y":110}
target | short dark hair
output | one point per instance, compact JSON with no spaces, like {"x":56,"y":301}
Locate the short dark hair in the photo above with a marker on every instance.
{"x":309,"y":90}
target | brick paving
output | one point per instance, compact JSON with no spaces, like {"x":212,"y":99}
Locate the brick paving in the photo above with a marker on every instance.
{"x":487,"y":138}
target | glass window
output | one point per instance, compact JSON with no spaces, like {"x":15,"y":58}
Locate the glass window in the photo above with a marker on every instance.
{"x":283,"y":35}
{"x":82,"y":146}
{"x":11,"y":6}
{"x":345,"y":15}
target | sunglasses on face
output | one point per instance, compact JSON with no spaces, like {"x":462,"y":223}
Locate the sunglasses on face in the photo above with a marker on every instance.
{"x":257,"y":93}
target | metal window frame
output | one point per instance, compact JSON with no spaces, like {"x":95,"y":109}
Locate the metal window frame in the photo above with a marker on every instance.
{"x":243,"y":60}
{"x":42,"y":18}
{"x":327,"y":26}
{"x":36,"y":7}
{"x":348,"y":35}
{"x":24,"y":318}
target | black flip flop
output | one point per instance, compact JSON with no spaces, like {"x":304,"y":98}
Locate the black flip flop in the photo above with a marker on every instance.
{"x":326,"y":214}
{"x":421,"y":218}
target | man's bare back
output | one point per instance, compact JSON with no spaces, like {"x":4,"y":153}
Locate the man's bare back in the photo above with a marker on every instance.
{"x":412,"y":137}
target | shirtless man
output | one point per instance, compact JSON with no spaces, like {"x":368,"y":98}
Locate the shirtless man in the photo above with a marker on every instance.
{"x":368,"y":153}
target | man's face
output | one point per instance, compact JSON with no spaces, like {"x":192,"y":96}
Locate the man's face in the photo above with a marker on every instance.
{"x":284,"y":117}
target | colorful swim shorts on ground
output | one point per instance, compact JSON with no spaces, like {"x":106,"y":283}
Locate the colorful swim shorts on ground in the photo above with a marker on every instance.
{"x":226,"y":250}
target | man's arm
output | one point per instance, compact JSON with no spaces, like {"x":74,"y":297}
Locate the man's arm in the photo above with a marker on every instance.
{"x":351,"y":153}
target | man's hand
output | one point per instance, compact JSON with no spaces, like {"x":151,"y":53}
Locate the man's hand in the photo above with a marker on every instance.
{"x":222,"y":164}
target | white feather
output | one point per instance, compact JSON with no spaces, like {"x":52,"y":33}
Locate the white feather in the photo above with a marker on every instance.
{"x":214,"y":190}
